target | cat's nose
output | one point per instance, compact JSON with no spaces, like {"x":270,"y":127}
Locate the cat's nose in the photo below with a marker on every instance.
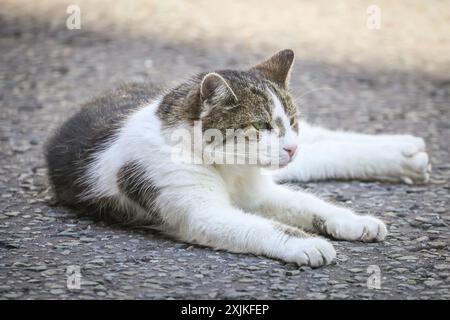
{"x":290,"y":150}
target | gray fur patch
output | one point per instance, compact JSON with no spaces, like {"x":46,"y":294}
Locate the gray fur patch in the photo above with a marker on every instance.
{"x":319,"y":225}
{"x":73,"y":146}
{"x":133,"y":182}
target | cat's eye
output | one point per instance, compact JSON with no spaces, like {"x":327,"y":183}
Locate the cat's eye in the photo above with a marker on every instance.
{"x":261,"y":125}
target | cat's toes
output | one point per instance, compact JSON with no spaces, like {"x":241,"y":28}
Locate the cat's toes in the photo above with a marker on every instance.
{"x":314,"y":252}
{"x":373,"y":229}
{"x":357,"y":228}
{"x":416,"y":166}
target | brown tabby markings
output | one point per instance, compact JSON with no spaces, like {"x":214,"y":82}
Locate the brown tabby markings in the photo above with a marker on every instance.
{"x":183,"y":104}
{"x":291,"y":231}
{"x":319,"y":225}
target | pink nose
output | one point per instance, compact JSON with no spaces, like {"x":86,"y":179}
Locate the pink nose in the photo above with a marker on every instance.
{"x":290,"y":150}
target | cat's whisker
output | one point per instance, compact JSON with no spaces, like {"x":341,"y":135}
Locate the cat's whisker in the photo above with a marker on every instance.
{"x":314,"y":90}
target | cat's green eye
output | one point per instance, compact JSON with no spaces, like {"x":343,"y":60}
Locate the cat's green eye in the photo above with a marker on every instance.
{"x":261,"y":125}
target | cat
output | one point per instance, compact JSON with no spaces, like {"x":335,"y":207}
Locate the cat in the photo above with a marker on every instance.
{"x":116,"y":157}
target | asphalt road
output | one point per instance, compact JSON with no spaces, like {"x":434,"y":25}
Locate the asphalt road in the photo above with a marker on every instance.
{"x":46,"y":71}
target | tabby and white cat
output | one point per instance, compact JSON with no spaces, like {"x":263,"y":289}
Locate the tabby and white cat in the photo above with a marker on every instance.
{"x":115,"y":157}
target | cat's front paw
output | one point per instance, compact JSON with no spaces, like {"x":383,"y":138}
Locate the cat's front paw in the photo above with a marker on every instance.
{"x":356,"y":228}
{"x":314,"y":252}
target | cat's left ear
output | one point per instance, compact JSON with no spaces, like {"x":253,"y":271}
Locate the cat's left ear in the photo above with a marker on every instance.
{"x":215,"y":92}
{"x":278,"y":67}
{"x":215,"y":87}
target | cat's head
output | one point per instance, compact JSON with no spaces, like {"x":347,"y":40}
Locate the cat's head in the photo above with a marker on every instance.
{"x":249,"y":114}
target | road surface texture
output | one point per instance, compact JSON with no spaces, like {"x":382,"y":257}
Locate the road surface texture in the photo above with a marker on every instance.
{"x":395,"y":79}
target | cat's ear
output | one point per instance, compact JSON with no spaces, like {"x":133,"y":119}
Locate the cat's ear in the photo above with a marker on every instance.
{"x":215,"y":89}
{"x":277,"y":68}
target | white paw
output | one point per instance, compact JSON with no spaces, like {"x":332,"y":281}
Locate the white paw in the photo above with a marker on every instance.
{"x":416,"y":165}
{"x":403,"y":159}
{"x":314,"y":252}
{"x":415,"y":161}
{"x":354,"y":227}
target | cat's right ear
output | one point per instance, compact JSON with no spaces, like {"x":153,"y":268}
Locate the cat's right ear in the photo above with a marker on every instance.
{"x":214,"y":90}
{"x":278,"y":67}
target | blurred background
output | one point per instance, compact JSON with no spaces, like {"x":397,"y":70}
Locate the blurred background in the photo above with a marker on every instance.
{"x":165,"y":41}
{"x":370,"y":66}
{"x":411,"y":34}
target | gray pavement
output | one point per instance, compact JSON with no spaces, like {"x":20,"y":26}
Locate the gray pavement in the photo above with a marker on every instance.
{"x":46,"y":71}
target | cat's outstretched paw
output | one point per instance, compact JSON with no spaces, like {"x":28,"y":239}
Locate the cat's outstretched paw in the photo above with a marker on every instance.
{"x":355,"y":228}
{"x":314,"y":252}
{"x":416,"y":165}
{"x":404,"y":159}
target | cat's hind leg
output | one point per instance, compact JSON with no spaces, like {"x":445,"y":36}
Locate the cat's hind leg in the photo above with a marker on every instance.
{"x":311,"y":133}
{"x":325,"y":154}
